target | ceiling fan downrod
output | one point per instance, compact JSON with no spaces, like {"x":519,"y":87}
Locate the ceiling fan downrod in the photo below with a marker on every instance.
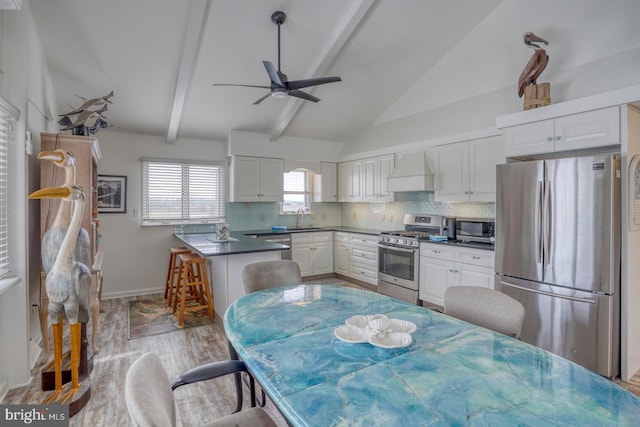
{"x":278,"y":17}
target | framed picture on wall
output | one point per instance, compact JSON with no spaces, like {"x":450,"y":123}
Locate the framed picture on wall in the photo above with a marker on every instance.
{"x":112,"y":194}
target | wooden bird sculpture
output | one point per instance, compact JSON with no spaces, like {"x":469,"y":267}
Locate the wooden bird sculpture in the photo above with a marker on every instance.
{"x":52,"y":238}
{"x":87,"y":121}
{"x":536,"y":64}
{"x":90,"y":103}
{"x":68,"y":287}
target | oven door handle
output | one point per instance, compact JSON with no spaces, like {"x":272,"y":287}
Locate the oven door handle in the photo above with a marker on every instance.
{"x":397,"y":248}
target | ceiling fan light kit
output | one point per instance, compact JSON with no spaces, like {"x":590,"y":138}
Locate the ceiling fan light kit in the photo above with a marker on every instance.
{"x":280,"y":86}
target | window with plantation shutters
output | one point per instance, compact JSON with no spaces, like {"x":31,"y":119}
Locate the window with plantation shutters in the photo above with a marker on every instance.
{"x":7,"y":114}
{"x":182,"y":192}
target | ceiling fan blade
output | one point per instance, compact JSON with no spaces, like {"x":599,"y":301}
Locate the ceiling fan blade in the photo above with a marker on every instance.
{"x":299,"y":84}
{"x":273,"y":73}
{"x":259,"y":100}
{"x":231,"y":84}
{"x":303,"y":95}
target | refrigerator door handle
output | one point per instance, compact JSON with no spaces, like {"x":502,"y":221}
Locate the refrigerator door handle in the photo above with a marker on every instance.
{"x":551,"y":294}
{"x":546,"y":222}
{"x":538,"y":215}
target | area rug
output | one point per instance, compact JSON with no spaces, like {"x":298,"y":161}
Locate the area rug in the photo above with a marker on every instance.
{"x":150,"y":316}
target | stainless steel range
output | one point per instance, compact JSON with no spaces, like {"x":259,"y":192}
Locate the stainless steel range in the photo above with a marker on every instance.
{"x":399,"y":254}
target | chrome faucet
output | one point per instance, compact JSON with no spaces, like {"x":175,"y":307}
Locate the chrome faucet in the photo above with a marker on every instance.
{"x":300,"y":217}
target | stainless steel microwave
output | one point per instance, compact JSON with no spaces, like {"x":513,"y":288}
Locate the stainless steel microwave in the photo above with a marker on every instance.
{"x":480,"y":230}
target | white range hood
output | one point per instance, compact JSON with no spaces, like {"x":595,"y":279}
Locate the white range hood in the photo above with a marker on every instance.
{"x":411,"y":173}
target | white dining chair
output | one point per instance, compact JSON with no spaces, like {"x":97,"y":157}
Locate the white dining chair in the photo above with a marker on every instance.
{"x":485,"y":307}
{"x":149,"y":397}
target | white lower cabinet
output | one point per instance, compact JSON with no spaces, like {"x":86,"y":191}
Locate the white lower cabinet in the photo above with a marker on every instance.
{"x":364,"y":257}
{"x":356,"y":256}
{"x":444,"y":265}
{"x":341,"y":262}
{"x":313,"y":252}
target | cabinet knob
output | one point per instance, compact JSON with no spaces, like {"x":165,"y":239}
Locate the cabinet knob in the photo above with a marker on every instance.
{"x":435,"y":251}
{"x":476,"y":257}
{"x":558,"y":137}
{"x":549,"y":138}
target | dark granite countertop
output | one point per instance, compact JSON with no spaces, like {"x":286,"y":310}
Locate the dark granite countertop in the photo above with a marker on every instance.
{"x":269,"y":232}
{"x":206,"y":245}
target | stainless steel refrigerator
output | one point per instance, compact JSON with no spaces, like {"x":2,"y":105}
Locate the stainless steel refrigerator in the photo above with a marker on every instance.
{"x":558,"y":253}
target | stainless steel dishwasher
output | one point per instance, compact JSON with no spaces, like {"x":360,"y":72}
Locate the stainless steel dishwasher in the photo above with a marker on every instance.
{"x":283,"y":239}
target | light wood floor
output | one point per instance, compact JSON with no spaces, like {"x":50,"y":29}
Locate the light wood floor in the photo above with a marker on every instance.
{"x":197,"y":403}
{"x":179,"y":351}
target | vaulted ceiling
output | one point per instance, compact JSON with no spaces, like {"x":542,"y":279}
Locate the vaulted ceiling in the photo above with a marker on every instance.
{"x":395,"y":57}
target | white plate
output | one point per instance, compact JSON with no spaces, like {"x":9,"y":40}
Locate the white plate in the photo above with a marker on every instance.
{"x":399,"y":325}
{"x":350,"y":333}
{"x":391,"y":340}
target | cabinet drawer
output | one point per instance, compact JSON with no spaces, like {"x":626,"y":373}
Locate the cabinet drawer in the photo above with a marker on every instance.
{"x":341,"y":237}
{"x":440,"y":251}
{"x":364,"y":239}
{"x":364,"y":272}
{"x":324,"y":236}
{"x":358,"y":254}
{"x":297,"y":238}
{"x":473,"y":256}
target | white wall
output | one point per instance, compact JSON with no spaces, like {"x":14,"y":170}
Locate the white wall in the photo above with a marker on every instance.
{"x":136,"y":257}
{"x":256,"y":144}
{"x":24,"y":81}
{"x":594,"y":47}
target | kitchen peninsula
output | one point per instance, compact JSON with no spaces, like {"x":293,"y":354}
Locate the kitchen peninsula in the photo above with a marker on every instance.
{"x":225,"y":261}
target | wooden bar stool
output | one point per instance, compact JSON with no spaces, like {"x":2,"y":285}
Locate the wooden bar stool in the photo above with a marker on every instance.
{"x":192,"y":275}
{"x":173,"y":273}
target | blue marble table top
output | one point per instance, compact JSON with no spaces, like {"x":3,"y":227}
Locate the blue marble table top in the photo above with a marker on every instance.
{"x":453,"y":373}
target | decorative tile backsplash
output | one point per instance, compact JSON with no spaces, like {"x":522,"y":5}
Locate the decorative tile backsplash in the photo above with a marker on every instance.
{"x":389,"y":216}
{"x":260,"y":216}
{"x":380,"y":216}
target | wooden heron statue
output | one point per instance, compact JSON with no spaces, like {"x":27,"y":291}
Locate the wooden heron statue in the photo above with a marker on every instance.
{"x":52,"y":238}
{"x":68,"y":286}
{"x":536,"y":64}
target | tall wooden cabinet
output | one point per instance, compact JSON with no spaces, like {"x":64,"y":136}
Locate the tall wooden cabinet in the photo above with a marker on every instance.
{"x":87,"y":155}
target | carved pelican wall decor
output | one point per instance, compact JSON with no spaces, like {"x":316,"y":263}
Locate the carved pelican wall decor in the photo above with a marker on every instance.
{"x":536,"y":64}
{"x":68,"y":287}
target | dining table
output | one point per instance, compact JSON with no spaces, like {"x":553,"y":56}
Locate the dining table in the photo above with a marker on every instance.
{"x":331,"y":355}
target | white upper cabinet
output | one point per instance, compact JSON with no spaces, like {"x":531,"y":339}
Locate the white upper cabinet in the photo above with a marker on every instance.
{"x":466,"y":171}
{"x":596,"y":128}
{"x":325,"y":185}
{"x":376,"y":170}
{"x":256,"y":179}
{"x":349,"y":181}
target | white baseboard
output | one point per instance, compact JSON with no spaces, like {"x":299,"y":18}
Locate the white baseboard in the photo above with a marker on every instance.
{"x":34,"y":352}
